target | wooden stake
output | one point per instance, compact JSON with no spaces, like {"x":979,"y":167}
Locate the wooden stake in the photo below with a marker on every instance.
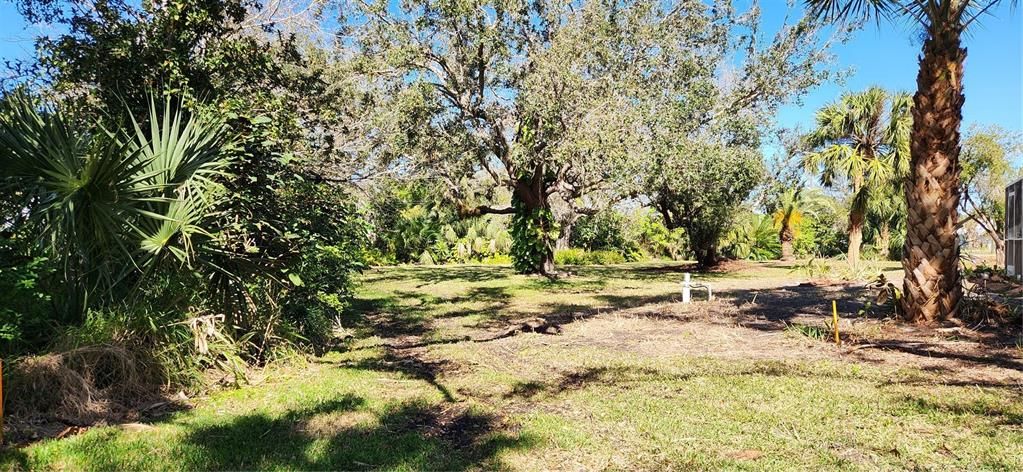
{"x":834,"y":320}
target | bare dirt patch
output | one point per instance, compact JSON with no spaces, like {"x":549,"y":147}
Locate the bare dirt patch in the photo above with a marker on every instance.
{"x":759,"y":326}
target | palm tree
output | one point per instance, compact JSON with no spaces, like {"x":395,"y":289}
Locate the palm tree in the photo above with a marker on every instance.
{"x":932,"y":288}
{"x":787,"y":219}
{"x":860,"y":140}
{"x":111,"y":204}
{"x":792,"y":206}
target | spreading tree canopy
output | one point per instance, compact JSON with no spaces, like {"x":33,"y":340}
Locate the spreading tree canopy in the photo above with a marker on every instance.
{"x":572,"y":99}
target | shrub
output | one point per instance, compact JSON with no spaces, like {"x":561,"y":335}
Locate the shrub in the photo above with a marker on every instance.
{"x":26,"y":315}
{"x":405,"y":219}
{"x":473,"y":240}
{"x":330,"y":235}
{"x":654,"y":239}
{"x":119,"y":359}
{"x":178,"y":347}
{"x":570,"y":256}
{"x":115,"y":205}
{"x":497,"y":259}
{"x":604,"y":231}
{"x":576,"y":256}
{"x":754,"y":237}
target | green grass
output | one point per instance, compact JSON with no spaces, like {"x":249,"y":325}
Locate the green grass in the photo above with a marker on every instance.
{"x":590,"y":399}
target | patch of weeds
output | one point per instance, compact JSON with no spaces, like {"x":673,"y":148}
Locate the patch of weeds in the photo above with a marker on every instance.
{"x":814,"y":332}
{"x":815,"y":268}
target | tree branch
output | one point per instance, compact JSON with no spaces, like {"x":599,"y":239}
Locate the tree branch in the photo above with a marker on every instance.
{"x":466,"y":211}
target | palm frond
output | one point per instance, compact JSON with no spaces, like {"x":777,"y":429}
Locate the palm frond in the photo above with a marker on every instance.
{"x":109,"y":202}
{"x":852,"y":10}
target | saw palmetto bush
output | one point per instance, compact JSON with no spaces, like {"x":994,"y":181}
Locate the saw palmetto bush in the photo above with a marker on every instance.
{"x":753,"y":237}
{"x":115,"y":229}
{"x":114,"y":204}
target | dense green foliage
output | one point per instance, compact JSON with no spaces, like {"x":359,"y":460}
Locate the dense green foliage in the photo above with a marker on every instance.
{"x":605,"y":231}
{"x":861,"y":142}
{"x":754,"y":237}
{"x":575,"y":256}
{"x":411,"y":222}
{"x":111,"y":206}
{"x":330,"y":250}
{"x":987,"y":167}
{"x":531,"y":237}
{"x":211,"y":207}
{"x":700,"y":189}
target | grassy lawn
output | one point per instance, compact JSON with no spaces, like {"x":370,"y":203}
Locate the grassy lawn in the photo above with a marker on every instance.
{"x":635,"y":381}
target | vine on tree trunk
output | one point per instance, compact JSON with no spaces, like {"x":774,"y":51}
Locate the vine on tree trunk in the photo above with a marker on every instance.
{"x":530,"y":232}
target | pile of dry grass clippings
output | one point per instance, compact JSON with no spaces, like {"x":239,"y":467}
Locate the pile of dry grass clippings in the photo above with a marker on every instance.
{"x":80,"y":386}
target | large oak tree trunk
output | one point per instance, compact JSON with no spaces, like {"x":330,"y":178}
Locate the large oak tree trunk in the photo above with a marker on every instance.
{"x":566,"y":224}
{"x":932,"y":289}
{"x":707,"y":256}
{"x":532,"y":195}
{"x":856,"y":219}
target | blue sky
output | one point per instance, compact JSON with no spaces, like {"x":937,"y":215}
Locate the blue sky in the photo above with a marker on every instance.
{"x":882,"y":54}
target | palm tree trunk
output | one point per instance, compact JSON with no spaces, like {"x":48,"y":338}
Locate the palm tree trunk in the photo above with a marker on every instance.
{"x":786,"y":236}
{"x":884,"y":240}
{"x":787,"y":254}
{"x":932,"y":289}
{"x":856,"y":219}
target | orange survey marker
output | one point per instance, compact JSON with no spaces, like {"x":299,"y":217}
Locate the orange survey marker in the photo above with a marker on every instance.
{"x":834,"y":320}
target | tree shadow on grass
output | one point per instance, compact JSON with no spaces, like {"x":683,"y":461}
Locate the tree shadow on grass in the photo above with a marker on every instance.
{"x":408,"y":363}
{"x":932,"y":350}
{"x":580,"y":379}
{"x":566,"y":313}
{"x":491,"y":299}
{"x":410,"y":325}
{"x":339,"y":434}
{"x":998,"y":414}
{"x":12,"y":458}
{"x":412,"y":436}
{"x":388,"y":317}
{"x":660,"y":272}
{"x":626,"y":376}
{"x":778,"y":308}
{"x":426,"y":275}
{"x":772,"y":309}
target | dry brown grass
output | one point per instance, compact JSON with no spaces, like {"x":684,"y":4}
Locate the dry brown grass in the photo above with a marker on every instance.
{"x":79,"y":386}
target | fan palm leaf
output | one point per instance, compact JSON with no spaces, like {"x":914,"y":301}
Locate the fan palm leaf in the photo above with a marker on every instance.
{"x":112,"y":202}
